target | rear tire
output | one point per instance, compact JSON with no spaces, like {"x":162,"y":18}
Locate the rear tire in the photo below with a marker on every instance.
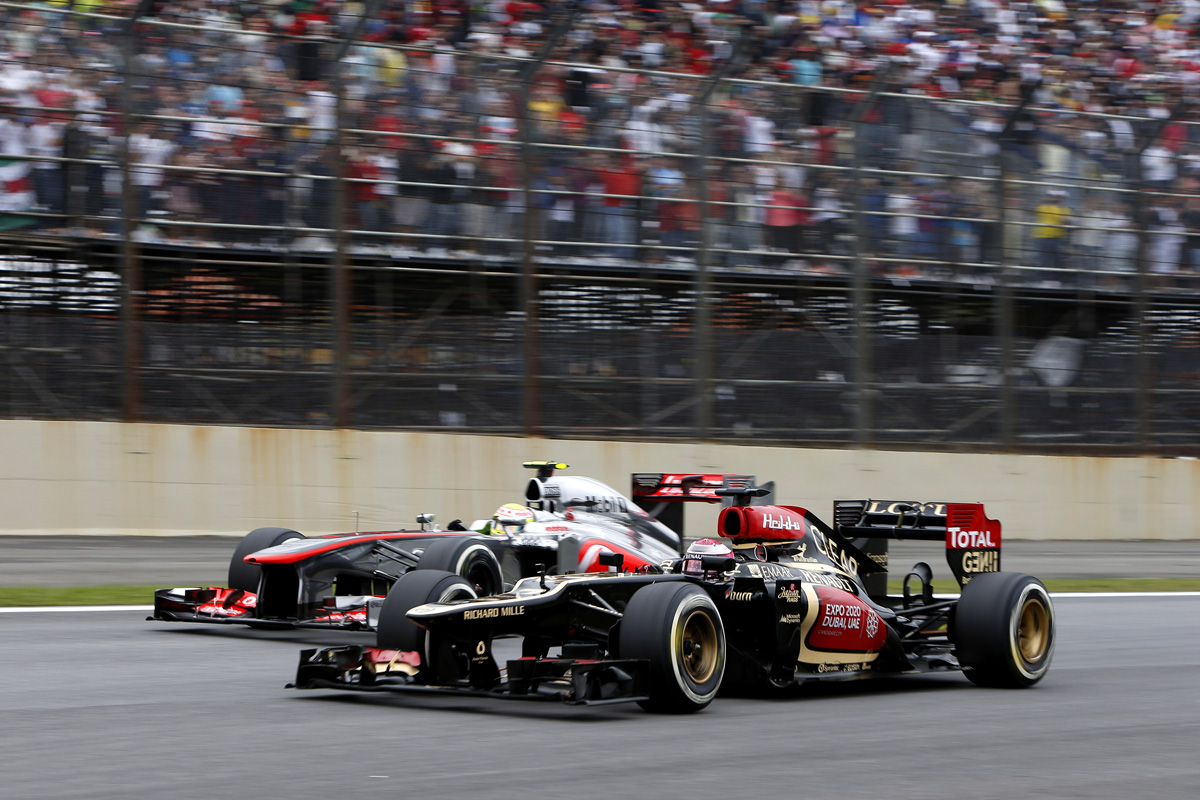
{"x":245,"y":576}
{"x":395,"y":631}
{"x":1004,"y":630}
{"x":677,"y":627}
{"x":469,"y":557}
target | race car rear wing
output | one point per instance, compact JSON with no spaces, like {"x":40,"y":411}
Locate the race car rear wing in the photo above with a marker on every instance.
{"x":972,"y":540}
{"x":662,"y":494}
{"x":664,"y":487}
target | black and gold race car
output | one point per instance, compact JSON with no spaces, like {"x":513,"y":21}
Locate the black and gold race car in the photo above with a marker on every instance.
{"x":780,"y":598}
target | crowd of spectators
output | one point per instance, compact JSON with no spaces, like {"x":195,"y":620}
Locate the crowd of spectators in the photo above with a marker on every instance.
{"x":231,"y":111}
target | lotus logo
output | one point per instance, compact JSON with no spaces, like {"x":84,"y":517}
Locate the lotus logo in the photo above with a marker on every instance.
{"x":781,"y":523}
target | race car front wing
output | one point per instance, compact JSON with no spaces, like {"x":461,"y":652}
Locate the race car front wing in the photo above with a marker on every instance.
{"x":567,"y":680}
{"x":221,"y":606}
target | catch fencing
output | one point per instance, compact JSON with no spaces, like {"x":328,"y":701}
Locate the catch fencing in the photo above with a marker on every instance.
{"x":235,"y":226}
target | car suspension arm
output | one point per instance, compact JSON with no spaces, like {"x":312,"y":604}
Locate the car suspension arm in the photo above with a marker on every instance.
{"x":396,"y":553}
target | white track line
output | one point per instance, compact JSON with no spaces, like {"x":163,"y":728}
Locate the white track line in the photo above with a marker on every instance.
{"x":80,"y":609}
{"x":1125,"y":594}
{"x":70,"y":609}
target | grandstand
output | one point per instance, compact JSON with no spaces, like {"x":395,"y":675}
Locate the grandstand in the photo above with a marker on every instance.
{"x":896,"y":225}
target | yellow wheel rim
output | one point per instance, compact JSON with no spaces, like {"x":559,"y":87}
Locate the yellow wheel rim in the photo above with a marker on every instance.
{"x":1033,"y":630}
{"x":698,"y":650}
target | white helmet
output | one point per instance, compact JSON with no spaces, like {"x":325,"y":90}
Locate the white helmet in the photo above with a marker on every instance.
{"x":511,"y":518}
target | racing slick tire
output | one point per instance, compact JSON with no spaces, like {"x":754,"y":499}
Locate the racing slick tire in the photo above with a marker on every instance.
{"x":677,"y":627}
{"x":245,"y":576}
{"x":1003,"y":630}
{"x":468,"y":556}
{"x":395,"y":631}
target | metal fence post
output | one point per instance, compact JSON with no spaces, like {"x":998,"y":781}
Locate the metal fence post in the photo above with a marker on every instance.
{"x":1005,"y":306}
{"x":1145,"y":375}
{"x":343,"y":286}
{"x":131,"y":266}
{"x":705,"y":345}
{"x":532,"y":340}
{"x":864,"y":363}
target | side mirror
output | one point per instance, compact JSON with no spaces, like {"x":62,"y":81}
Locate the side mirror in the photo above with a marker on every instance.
{"x":613,"y":560}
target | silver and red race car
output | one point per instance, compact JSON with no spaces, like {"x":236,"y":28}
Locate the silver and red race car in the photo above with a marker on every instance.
{"x":280,"y":578}
{"x":781,"y":598}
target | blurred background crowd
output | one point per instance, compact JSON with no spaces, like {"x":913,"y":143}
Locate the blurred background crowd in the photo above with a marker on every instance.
{"x":935,"y":223}
{"x":782,"y":128}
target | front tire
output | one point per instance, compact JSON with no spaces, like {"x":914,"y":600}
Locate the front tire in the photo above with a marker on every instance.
{"x":469,"y":557}
{"x":1004,"y":630}
{"x":395,"y":631}
{"x":245,"y":576}
{"x":678,"y":629}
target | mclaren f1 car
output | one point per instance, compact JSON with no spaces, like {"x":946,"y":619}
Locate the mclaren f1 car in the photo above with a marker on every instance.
{"x":780,"y":598}
{"x":280,"y":578}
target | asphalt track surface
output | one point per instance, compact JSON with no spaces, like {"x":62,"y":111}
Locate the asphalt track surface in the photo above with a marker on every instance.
{"x":204,"y":560}
{"x":108,"y":705}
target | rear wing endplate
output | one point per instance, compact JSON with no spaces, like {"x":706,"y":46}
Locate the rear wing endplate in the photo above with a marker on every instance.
{"x":972,"y":540}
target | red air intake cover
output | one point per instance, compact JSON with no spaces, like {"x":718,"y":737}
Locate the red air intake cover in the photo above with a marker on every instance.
{"x":763,"y":523}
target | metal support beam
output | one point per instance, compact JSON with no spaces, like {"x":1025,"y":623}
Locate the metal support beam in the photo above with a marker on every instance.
{"x":705,"y":344}
{"x":343,"y":285}
{"x":1141,"y":304}
{"x":864,"y":343}
{"x":531,"y":342}
{"x":1005,"y":305}
{"x":132,"y":346}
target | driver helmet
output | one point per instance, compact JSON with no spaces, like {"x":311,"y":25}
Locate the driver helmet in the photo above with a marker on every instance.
{"x":692,"y":563}
{"x":511,"y":518}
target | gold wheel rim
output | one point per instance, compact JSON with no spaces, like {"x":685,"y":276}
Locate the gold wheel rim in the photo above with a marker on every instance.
{"x":698,"y":651}
{"x":1033,"y":630}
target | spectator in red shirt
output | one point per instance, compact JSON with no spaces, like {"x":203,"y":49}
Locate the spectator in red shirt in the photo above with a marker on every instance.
{"x":620,"y":212}
{"x":786,"y":218}
{"x":363,"y":172}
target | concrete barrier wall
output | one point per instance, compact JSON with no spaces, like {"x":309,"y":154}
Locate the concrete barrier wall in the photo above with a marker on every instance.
{"x":111,"y":478}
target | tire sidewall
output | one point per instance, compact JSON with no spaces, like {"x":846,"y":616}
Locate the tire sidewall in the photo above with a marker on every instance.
{"x":986,"y":629}
{"x":700,"y":694}
{"x":395,"y":631}
{"x":651,"y":629}
{"x":258,"y":539}
{"x":1026,"y":671}
{"x":463,"y":556}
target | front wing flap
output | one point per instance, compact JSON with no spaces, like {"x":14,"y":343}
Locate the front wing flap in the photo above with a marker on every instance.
{"x":566,"y":680}
{"x":205,"y":604}
{"x":223,"y":606}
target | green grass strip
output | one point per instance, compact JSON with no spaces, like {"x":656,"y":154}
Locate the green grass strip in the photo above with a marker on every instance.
{"x":1123,"y":584}
{"x":77,"y":595}
{"x":1086,"y":585}
{"x":144,"y":595}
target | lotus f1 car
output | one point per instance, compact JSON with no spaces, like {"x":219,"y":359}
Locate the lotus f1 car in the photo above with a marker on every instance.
{"x":279,"y":578}
{"x":781,"y":599}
